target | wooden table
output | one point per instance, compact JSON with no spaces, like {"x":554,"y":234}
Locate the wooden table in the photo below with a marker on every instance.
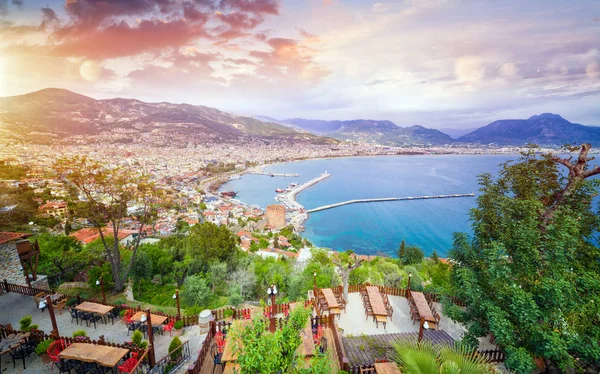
{"x":100,"y":354}
{"x":376,"y":301}
{"x":231,"y":368}
{"x":12,"y":341}
{"x":330,"y":298}
{"x":422,"y":306}
{"x":94,"y":308}
{"x":157,"y":320}
{"x":307,"y":346}
{"x":387,"y":368}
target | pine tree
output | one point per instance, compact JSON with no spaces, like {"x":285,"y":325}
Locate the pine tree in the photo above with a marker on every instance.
{"x":434,"y":256}
{"x":402,"y":250}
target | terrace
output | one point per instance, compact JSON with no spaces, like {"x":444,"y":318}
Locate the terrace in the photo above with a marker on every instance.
{"x":15,"y":306}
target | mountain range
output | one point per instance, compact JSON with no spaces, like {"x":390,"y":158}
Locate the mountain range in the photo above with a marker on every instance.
{"x":546,"y":129}
{"x":369,"y":131}
{"x":56,"y":115}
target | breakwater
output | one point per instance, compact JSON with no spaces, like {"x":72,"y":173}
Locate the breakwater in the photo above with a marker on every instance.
{"x":357,"y":201}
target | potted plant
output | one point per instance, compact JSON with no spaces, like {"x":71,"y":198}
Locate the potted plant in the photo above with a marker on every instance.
{"x":228,"y":315}
{"x":42,"y":348}
{"x":80,"y":335}
{"x":178,"y":328}
{"x":25,"y":324}
{"x":175,"y":350}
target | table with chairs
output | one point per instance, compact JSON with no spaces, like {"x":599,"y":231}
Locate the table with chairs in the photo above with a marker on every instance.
{"x":376,"y":305}
{"x":420,"y":307}
{"x":92,"y":313}
{"x":89,"y":358}
{"x":137,"y":321}
{"x":19,"y":346}
{"x":331,"y":301}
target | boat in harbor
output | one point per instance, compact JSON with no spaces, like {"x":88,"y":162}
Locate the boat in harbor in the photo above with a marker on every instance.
{"x":228,"y":194}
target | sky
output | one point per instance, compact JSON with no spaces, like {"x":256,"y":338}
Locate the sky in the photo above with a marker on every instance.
{"x":436,"y":63}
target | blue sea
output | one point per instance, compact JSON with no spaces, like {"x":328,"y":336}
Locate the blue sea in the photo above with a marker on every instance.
{"x":372,"y":228}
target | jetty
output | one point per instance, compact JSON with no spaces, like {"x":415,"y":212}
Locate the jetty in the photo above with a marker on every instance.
{"x":260,"y":172}
{"x":331,"y":206}
{"x":289,"y":198}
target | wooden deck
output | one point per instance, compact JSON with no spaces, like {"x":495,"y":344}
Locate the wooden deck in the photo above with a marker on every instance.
{"x":364,"y":350}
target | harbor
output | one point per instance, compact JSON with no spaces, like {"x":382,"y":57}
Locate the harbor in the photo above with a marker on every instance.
{"x":288,"y":197}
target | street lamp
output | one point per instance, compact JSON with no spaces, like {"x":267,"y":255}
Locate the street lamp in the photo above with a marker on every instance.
{"x":176,"y":297}
{"x":272,"y":291}
{"x":100,"y":283}
{"x":408,"y":289}
{"x":315,"y":283}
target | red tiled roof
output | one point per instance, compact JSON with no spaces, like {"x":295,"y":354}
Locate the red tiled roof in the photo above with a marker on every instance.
{"x":90,"y":234}
{"x":6,"y":237}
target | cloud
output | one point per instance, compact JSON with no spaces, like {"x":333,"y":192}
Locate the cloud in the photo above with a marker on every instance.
{"x":592,"y":70}
{"x":49,"y":19}
{"x":469,"y":70}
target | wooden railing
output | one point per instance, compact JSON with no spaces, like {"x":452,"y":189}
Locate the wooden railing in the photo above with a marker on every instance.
{"x":339,"y":346}
{"x":493,"y":355}
{"x":196,"y":366}
{"x":141,"y":367}
{"x":395,"y":291}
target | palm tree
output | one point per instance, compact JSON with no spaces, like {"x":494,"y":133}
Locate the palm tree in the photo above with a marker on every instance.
{"x":426,"y":358}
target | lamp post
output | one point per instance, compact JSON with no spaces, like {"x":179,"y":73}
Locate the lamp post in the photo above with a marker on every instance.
{"x":408,"y":289}
{"x":176,"y":297}
{"x":315,"y":283}
{"x":100,"y":283}
{"x":272,"y":291}
{"x":423,"y":326}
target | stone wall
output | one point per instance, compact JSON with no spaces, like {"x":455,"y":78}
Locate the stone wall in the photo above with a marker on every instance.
{"x":40,"y":282}
{"x":10,"y":264}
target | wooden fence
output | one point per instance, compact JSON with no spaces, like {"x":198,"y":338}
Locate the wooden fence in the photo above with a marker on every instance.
{"x":196,"y":366}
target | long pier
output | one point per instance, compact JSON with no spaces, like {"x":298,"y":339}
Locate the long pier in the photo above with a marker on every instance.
{"x":331,"y":206}
{"x":260,"y":172}
{"x":289,"y":198}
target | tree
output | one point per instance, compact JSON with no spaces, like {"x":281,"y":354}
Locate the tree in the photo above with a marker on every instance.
{"x":218,"y":274}
{"x":208,"y":242}
{"x":195,"y":291}
{"x":412,"y":255}
{"x":63,"y":255}
{"x":107,"y":193}
{"x":141,"y":269}
{"x":426,"y":358}
{"x":346,"y":262}
{"x":434,"y":256}
{"x":401,"y":250}
{"x":529,"y":275}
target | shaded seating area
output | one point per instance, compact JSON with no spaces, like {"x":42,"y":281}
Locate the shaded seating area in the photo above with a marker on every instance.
{"x":93,"y":312}
{"x":90,"y":358}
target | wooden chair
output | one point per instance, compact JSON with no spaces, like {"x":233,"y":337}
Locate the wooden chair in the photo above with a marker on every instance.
{"x":39,"y":297}
{"x":390,"y":312}
{"x":60,"y":305}
{"x":367,"y":370}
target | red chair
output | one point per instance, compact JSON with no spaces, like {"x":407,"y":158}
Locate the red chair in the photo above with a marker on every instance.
{"x":246,"y":314}
{"x":220,"y":341}
{"x":53,"y":350}
{"x":169,"y":326}
{"x":128,"y":314}
{"x":129,"y":364}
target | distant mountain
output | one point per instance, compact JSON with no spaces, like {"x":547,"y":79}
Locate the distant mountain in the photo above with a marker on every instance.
{"x":457,"y":133}
{"x":545,"y":129}
{"x":52,"y":115}
{"x":372,"y":131}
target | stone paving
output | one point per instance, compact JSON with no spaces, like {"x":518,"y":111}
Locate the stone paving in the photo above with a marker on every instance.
{"x":354,"y":321}
{"x":13,"y":307}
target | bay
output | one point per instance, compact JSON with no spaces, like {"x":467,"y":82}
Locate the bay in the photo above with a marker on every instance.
{"x":375,"y":228}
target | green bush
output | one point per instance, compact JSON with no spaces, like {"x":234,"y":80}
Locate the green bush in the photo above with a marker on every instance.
{"x":104,"y":271}
{"x":228,"y":313}
{"x":79,"y":333}
{"x":72,"y":301}
{"x":122,"y":313}
{"x":193,"y":310}
{"x":43,"y":346}
{"x":25,"y":324}
{"x":175,"y":347}
{"x":178,"y":325}
{"x":137,"y":339}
